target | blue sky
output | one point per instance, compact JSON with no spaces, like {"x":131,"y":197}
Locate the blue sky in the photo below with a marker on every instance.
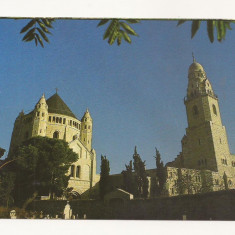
{"x":134,"y":92}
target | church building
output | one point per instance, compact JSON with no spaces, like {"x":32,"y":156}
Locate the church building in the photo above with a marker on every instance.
{"x":52,"y":118}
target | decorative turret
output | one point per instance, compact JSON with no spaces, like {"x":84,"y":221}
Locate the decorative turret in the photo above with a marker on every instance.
{"x":40,"y":117}
{"x":86,"y":130}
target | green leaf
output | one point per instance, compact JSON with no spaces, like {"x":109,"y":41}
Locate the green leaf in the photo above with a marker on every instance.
{"x":102,"y":22}
{"x":181,"y":22}
{"x":29,"y":38}
{"x":220,"y":29}
{"x":227,"y":25}
{"x":110,"y":29}
{"x":43,"y":27}
{"x":132,"y":21}
{"x":210,"y":30}
{"x":128,"y":29}
{"x":223,"y":29}
{"x":216,"y":23}
{"x":28,"y":26}
{"x":119,"y":39}
{"x":30,"y":32}
{"x":125,"y":36}
{"x":47,"y":22}
{"x":113,"y":37}
{"x":43,"y":34}
{"x":195,"y":27}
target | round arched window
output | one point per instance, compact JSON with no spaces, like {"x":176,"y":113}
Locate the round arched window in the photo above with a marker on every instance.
{"x":195,"y":110}
{"x":214,"y":109}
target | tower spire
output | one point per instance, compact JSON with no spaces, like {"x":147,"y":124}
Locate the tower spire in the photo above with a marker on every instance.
{"x":194,"y":60}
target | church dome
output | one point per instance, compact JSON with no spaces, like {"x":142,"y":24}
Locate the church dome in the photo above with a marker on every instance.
{"x":195,"y":67}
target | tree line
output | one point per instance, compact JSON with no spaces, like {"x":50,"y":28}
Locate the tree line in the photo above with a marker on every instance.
{"x":135,"y":177}
{"x":40,"y":165}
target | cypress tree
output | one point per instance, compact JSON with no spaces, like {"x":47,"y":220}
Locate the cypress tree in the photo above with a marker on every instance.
{"x":104,"y":184}
{"x":140,"y":175}
{"x":160,"y":172}
{"x":128,"y":179}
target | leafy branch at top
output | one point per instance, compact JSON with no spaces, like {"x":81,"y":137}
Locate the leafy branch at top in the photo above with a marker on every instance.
{"x":118,"y":30}
{"x":37,"y":30}
{"x":220,"y":26}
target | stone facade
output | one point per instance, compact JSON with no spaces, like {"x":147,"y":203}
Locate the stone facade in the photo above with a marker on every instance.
{"x":205,"y":163}
{"x":52,"y":118}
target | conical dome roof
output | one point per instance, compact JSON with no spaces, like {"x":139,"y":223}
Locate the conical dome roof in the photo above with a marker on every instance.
{"x":195,"y":67}
{"x":57,"y":105}
{"x":86,"y":115}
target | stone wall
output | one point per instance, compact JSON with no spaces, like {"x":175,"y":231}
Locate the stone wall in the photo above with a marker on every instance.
{"x":213,"y":205}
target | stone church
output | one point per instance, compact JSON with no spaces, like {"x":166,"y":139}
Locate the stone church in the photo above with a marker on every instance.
{"x":52,"y":118}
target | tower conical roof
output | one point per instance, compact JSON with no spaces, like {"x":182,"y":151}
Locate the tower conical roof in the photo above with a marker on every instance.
{"x":86,"y":115}
{"x":42,"y":100}
{"x":57,"y":105}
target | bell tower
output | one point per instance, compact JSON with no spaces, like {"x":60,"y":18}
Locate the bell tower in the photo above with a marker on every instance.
{"x":205,"y":145}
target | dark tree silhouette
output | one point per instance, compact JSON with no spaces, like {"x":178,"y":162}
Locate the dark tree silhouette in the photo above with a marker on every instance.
{"x":160,"y":173}
{"x":104,"y":184}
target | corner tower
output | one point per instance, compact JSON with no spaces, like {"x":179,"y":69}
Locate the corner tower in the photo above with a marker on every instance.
{"x":205,"y":145}
{"x":86,"y":130}
{"x":40,"y":118}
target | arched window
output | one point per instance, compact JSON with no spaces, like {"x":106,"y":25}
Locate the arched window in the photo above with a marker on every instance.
{"x":214,"y":109}
{"x":57,"y":119}
{"x":195,"y":110}
{"x":78,"y":169}
{"x":72,"y":171}
{"x":56,"y":135}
